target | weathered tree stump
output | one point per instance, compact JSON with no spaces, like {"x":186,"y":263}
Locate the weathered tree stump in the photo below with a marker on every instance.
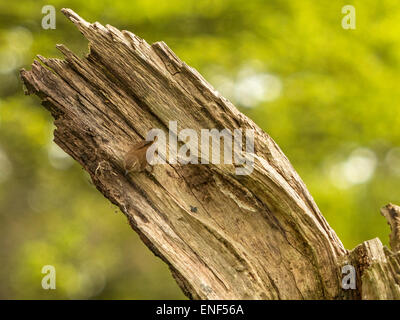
{"x":257,"y":236}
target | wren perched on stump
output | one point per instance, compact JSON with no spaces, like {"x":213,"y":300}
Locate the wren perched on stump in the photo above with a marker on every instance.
{"x":135,"y":159}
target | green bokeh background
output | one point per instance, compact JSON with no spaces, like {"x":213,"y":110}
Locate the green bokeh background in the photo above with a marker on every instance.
{"x":328,"y":96}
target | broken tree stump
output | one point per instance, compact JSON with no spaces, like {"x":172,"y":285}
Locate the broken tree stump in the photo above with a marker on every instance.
{"x":224,"y":236}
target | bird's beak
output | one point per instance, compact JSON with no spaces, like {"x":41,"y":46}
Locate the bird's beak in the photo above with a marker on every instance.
{"x":126,"y":172}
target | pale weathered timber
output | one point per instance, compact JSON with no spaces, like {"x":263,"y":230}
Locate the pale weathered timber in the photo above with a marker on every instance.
{"x":378,"y":271}
{"x":259,"y":236}
{"x":392,"y":214}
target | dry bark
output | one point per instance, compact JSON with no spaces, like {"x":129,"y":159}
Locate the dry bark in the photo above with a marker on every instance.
{"x":259,"y":236}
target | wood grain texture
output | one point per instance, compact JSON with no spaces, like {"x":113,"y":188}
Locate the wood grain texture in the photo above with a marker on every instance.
{"x":259,"y":236}
{"x":392,"y":214}
{"x":378,"y":271}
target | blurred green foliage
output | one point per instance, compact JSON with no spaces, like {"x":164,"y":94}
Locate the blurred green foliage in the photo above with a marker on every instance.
{"x":327,"y":95}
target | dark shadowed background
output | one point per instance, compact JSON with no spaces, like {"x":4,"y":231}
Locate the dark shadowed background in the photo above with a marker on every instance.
{"x":328,"y":96}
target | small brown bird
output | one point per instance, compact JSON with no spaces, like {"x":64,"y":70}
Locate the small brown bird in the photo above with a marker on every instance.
{"x":135,"y":159}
